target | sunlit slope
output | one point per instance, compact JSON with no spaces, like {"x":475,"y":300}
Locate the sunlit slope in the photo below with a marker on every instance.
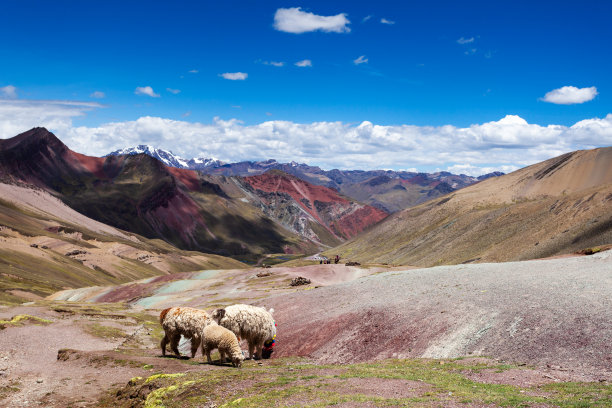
{"x":45,"y":246}
{"x":557,"y":206}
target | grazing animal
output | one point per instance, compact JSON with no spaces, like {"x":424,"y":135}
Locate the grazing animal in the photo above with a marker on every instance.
{"x":218,"y":337}
{"x":186,"y":321}
{"x":251,"y":323}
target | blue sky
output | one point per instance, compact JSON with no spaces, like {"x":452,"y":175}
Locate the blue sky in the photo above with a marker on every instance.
{"x":152,"y":72}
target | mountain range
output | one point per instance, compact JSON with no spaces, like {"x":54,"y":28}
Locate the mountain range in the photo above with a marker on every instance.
{"x":232,"y":216}
{"x":555,"y":207}
{"x":388,"y":190}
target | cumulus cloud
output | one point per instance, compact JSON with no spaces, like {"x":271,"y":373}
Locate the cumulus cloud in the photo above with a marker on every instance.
{"x":304,"y":63}
{"x":97,"y":95}
{"x":19,"y":115}
{"x":8,"y":91}
{"x":570,"y":95}
{"x":385,"y":21}
{"x":174,"y":91}
{"x":464,"y":40}
{"x":294,"y":20}
{"x":146,"y":90}
{"x":235,"y":76}
{"x":502,"y":145}
{"x":361,"y":60}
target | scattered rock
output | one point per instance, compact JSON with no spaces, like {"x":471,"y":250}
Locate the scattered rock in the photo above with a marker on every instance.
{"x":263,"y":274}
{"x":76,"y":252}
{"x":299,"y":281}
{"x":40,"y":380}
{"x":351,"y":263}
{"x":34,"y":245}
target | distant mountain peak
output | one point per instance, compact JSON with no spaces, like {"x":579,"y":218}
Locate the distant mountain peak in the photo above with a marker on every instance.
{"x":168,"y":158}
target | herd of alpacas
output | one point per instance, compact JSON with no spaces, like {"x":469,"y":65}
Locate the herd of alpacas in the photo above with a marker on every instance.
{"x":221,"y":330}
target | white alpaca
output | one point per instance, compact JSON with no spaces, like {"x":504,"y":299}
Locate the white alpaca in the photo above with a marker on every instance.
{"x":251,"y":323}
{"x":186,"y":321}
{"x":218,"y":337}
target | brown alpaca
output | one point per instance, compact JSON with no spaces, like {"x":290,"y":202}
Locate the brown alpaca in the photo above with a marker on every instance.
{"x":186,"y":321}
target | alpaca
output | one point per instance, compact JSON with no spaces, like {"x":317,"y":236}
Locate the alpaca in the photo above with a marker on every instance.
{"x":251,"y":323}
{"x":186,"y":321}
{"x":218,"y":337}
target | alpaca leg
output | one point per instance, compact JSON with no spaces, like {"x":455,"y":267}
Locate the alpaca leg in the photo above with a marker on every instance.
{"x":258,"y":351}
{"x":195,"y":343}
{"x":207,"y":352}
{"x":163,"y":343}
{"x":251,"y":349}
{"x":222,"y":358}
{"x":174,"y":342}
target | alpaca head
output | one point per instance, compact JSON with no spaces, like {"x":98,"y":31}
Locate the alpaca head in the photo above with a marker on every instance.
{"x":218,"y":314}
{"x":237,"y":359}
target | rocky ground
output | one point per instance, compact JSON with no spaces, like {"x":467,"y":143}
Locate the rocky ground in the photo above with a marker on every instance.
{"x":519,"y":334}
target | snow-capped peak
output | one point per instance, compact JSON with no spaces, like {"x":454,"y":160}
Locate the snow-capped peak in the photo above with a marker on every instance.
{"x":168,"y":158}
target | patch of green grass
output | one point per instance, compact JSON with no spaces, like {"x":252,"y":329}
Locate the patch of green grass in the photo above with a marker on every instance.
{"x":22,"y":318}
{"x":105,"y":332}
{"x":12,"y":387}
{"x":292,"y":381}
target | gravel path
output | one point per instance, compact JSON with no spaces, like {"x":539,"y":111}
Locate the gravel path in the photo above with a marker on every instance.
{"x":555,"y":312}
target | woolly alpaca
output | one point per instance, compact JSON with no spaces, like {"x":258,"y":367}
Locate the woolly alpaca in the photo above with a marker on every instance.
{"x":218,"y":337}
{"x":186,"y":321}
{"x":251,"y":323}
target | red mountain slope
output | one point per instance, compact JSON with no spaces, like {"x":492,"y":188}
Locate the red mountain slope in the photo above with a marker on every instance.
{"x":341,"y":217}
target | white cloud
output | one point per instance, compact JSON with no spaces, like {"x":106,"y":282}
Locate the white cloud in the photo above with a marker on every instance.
{"x":476,"y":171}
{"x":570,"y":95}
{"x":9,"y":92}
{"x":361,"y":60}
{"x":304,"y":63}
{"x":19,"y":115}
{"x":235,"y":76}
{"x":274,"y":63}
{"x":385,"y":21}
{"x":193,"y":71}
{"x":146,"y":90}
{"x":464,"y":40}
{"x":471,"y":51}
{"x":97,"y":95}
{"x":366,"y":18}
{"x":174,"y":91}
{"x":294,"y":20}
{"x":503,"y":145}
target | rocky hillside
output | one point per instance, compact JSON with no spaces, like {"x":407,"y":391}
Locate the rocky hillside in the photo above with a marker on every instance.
{"x":557,"y":206}
{"x":317,"y":212}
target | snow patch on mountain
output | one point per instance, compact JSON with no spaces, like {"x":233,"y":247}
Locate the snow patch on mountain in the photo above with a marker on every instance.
{"x":169,"y":158}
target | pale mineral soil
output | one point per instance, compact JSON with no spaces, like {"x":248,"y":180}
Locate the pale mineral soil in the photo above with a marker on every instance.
{"x":352,"y":338}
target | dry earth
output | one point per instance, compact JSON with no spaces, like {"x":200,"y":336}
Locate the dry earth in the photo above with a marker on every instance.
{"x":553,"y":315}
